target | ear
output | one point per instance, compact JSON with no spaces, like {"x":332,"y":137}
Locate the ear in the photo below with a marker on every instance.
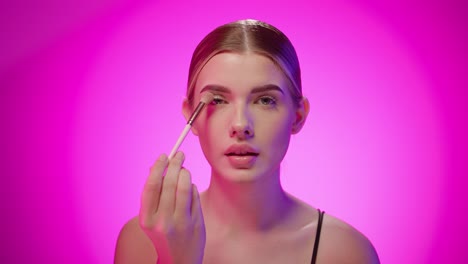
{"x":301,"y":115}
{"x":187,"y":112}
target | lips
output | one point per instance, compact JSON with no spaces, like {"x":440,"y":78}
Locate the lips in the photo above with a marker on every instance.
{"x":241,"y":150}
{"x":242,"y":156}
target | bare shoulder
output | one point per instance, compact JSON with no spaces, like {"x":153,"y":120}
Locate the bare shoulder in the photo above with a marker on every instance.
{"x":342,"y":243}
{"x":133,"y":246}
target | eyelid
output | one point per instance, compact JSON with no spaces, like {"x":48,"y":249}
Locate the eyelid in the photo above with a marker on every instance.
{"x":217,"y":97}
{"x":221,"y":99}
{"x":270,"y":97}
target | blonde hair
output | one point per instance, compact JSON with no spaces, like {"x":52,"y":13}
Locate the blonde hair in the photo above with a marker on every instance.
{"x":248,"y":36}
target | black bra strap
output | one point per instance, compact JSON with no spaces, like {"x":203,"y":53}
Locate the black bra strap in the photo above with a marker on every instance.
{"x":317,"y":236}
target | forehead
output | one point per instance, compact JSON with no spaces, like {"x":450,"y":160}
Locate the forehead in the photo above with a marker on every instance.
{"x":240,"y":72}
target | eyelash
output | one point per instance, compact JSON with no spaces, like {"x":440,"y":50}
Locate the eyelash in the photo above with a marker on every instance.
{"x":218,"y":100}
{"x":271,"y":100}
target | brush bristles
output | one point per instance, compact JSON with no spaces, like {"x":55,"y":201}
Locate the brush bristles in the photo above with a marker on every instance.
{"x":206,"y":98}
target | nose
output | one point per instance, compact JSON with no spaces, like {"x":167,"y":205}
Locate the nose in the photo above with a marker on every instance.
{"x":241,"y":126}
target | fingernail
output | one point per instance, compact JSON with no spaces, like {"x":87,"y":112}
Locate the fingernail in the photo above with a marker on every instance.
{"x":163,"y":157}
{"x":180,"y":155}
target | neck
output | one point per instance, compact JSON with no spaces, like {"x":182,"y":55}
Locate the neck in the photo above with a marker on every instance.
{"x":255,"y":205}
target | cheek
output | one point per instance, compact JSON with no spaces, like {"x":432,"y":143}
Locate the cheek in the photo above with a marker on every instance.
{"x":211,"y":130}
{"x":282,"y":138}
{"x":275,"y":129}
{"x":276,"y":139}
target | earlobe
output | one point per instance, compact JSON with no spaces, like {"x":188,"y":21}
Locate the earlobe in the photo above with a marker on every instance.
{"x":187,"y":112}
{"x":301,"y":115}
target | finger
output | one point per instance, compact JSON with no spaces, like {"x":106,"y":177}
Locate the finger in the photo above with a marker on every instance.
{"x":196,"y":210}
{"x":152,"y":188}
{"x":169,"y":186}
{"x":183,"y":195}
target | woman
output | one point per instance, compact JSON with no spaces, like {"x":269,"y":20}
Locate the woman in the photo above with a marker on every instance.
{"x":244,"y":216}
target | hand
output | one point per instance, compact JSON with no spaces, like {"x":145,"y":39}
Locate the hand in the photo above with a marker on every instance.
{"x":171,"y":214}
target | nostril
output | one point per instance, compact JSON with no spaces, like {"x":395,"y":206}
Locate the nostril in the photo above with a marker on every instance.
{"x":241,"y":131}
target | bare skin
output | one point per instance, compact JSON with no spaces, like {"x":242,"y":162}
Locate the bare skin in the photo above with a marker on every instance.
{"x":340,"y":243}
{"x":244,"y":216}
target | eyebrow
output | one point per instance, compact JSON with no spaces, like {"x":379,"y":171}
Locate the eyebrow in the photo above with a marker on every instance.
{"x":258,"y":89}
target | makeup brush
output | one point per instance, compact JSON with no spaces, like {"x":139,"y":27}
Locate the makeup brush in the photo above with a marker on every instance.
{"x":206,"y":98}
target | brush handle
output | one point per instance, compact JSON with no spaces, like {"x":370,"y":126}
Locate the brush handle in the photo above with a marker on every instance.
{"x":196,"y":113}
{"x":179,"y":141}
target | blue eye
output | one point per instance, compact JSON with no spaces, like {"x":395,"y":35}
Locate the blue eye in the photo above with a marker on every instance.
{"x":267,"y":100}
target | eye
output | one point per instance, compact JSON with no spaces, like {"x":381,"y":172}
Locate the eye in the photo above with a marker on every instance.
{"x":218,"y":100}
{"x":266,"y":100}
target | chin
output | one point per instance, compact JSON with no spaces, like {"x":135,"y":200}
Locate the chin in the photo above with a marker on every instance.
{"x":243,"y":171}
{"x":242,"y":176}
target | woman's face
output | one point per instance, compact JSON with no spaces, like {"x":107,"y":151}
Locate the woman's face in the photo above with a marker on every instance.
{"x":245,"y":131}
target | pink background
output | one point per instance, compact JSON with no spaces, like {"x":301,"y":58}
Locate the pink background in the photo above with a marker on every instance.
{"x":91,"y":94}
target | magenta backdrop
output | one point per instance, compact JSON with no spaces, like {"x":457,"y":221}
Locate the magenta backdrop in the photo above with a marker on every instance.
{"x":91,"y":94}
